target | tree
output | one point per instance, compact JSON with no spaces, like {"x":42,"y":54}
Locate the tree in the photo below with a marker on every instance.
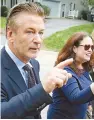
{"x":86,"y":3}
{"x":4,"y":11}
{"x":46,"y":8}
{"x":91,"y":2}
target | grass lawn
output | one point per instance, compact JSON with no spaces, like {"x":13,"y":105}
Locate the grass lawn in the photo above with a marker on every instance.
{"x":2,"y":22}
{"x":57,"y":40}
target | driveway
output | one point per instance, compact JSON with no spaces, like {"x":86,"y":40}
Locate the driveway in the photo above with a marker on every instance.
{"x":54,"y":25}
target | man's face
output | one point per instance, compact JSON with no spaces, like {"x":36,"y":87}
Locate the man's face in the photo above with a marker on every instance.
{"x":26,"y":41}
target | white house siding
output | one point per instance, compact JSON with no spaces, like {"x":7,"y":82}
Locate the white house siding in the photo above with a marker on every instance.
{"x":10,"y":3}
{"x":38,"y":1}
{"x":54,"y":7}
{"x":21,"y":1}
{"x":78,"y":6}
{"x":67,"y":6}
{"x":65,"y":10}
{"x":61,"y":8}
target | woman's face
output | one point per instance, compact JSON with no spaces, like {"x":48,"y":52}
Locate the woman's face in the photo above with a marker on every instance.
{"x":84,"y":50}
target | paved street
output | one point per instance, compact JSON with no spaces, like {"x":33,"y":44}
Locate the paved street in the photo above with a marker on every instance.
{"x":54,"y":25}
{"x":47,"y":58}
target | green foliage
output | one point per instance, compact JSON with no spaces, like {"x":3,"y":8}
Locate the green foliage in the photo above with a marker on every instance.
{"x":86,"y":3}
{"x":4,"y":11}
{"x":46,"y":9}
{"x":2,"y":22}
{"x":84,"y":14}
{"x":56,"y":41}
{"x":91,"y":2}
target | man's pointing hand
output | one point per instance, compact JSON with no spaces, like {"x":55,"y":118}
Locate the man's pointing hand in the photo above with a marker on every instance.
{"x":57,"y":77}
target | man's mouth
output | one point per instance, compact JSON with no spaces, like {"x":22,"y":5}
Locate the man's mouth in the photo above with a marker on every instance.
{"x":35,"y":49}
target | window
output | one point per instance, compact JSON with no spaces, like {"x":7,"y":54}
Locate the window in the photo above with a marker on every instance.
{"x":28,"y":0}
{"x":3,"y":2}
{"x":71,"y":6}
{"x":13,"y":2}
{"x":74,"y":7}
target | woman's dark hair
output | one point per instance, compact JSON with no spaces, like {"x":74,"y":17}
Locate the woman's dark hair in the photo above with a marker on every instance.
{"x":67,"y":50}
{"x":91,"y":62}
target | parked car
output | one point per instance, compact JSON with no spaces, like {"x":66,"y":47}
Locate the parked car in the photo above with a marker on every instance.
{"x":90,"y":15}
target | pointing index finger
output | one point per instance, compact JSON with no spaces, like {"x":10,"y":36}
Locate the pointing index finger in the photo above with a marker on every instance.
{"x":65,"y":63}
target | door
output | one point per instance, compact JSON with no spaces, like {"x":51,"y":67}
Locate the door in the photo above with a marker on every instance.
{"x":63,"y":10}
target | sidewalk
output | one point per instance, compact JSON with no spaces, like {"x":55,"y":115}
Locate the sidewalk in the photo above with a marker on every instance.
{"x":46,"y":60}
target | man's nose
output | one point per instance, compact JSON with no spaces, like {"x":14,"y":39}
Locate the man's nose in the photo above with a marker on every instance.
{"x":38,"y":38}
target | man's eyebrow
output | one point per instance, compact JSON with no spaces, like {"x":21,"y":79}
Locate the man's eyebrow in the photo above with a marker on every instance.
{"x":30,"y":28}
{"x":34,"y":29}
{"x":42,"y":29}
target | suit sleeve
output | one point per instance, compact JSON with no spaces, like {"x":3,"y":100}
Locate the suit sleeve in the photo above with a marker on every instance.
{"x":74,"y":94}
{"x":21,"y":104}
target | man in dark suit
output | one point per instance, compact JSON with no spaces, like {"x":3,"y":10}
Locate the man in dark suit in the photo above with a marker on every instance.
{"x":22,"y":93}
{"x":92,"y":77}
{"x":92,"y":73}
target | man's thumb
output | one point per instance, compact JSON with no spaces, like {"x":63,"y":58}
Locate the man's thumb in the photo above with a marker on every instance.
{"x":65,"y":63}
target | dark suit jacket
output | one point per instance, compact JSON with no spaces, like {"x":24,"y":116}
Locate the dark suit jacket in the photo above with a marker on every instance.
{"x":92,"y":75}
{"x":17,"y":101}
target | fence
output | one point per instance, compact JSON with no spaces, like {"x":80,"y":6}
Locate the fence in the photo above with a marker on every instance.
{"x":73,"y":14}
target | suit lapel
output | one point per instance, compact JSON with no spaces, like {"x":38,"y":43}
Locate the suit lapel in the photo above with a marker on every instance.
{"x":13,"y":71}
{"x":17,"y":78}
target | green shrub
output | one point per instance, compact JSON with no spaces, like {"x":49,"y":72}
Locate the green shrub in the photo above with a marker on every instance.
{"x":4,"y":11}
{"x":84,"y":14}
{"x":56,"y":41}
{"x":46,"y":9}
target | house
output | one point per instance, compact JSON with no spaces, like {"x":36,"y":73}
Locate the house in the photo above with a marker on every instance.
{"x":11,"y":3}
{"x":64,"y":8}
{"x":58,"y":8}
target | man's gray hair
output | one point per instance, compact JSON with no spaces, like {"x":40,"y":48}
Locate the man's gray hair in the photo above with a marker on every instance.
{"x":31,"y":8}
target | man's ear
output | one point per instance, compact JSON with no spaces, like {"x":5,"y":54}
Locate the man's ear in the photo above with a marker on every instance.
{"x":74,"y":49}
{"x":10,"y":34}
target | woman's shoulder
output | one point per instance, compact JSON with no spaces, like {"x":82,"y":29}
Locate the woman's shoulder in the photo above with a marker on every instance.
{"x":69,"y":69}
{"x":74,"y":74}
